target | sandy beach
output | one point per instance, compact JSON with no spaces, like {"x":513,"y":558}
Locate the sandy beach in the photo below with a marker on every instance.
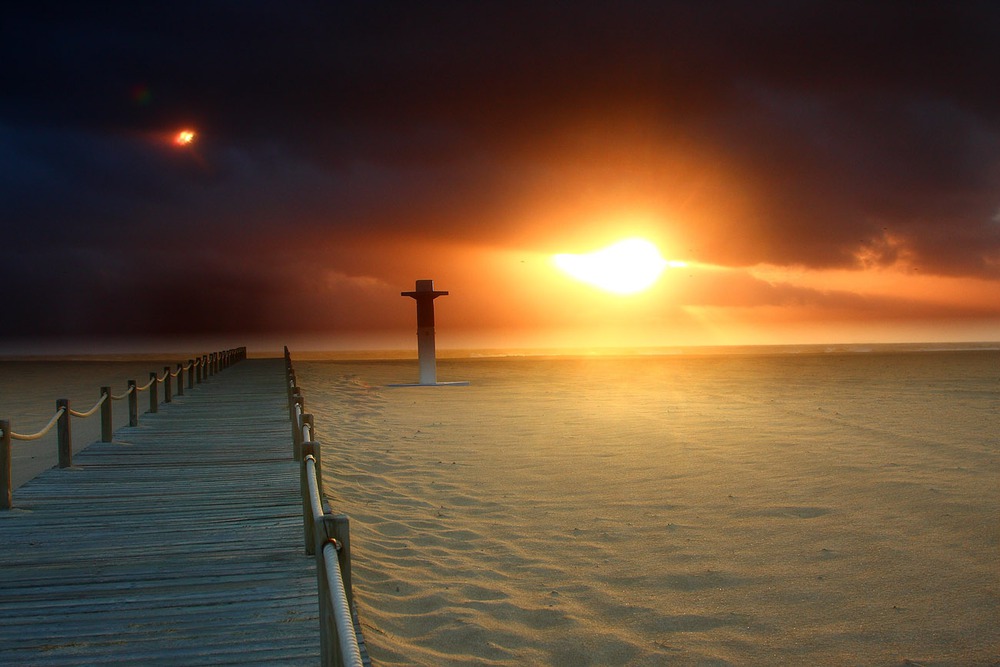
{"x":728,"y":510}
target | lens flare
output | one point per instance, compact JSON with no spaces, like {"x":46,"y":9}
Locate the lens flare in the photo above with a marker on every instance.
{"x":184,"y":137}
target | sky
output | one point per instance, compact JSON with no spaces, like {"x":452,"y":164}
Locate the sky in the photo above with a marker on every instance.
{"x":813,"y":172}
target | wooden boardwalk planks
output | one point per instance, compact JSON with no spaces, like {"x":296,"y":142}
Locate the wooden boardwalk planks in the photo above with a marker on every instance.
{"x":179,"y":543}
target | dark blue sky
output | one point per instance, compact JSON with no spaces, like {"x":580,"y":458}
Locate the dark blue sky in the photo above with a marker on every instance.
{"x":335,"y":138}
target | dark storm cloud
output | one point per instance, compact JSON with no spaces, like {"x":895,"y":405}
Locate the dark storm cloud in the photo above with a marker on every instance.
{"x":845,"y":125}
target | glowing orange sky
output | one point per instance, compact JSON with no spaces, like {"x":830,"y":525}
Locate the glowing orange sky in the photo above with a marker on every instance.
{"x":826,"y":171}
{"x":509,"y":297}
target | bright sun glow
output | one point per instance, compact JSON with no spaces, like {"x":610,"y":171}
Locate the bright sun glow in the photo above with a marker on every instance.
{"x":625,"y":267}
{"x":184,"y":137}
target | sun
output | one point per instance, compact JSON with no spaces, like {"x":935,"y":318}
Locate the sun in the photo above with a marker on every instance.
{"x":626,"y":267}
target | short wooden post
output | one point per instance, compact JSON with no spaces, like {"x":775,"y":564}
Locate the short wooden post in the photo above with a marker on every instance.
{"x":308,"y":419}
{"x":167,"y":388}
{"x":190,"y":373}
{"x":297,"y":429}
{"x":296,"y":400}
{"x":317,"y":452}
{"x":154,"y":401}
{"x":65,"y":434}
{"x":199,"y":371}
{"x":332,"y":527}
{"x":327,"y":630}
{"x":180,"y":379}
{"x":297,"y":411}
{"x":307,"y":515}
{"x":107,"y":423}
{"x":133,"y":403}
{"x":338,"y":527}
{"x":208,"y":368}
{"x":6,"y":495}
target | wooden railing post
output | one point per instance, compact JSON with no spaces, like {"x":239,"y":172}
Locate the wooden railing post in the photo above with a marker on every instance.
{"x":208,"y":369}
{"x":65,"y":434}
{"x":107,"y":423}
{"x":327,"y":628}
{"x":307,"y":514}
{"x":334,"y":527}
{"x":133,"y":403}
{"x":317,"y":452}
{"x":6,"y":496}
{"x":167,"y":389}
{"x":338,"y":527}
{"x":180,"y":379}
{"x":190,"y":373}
{"x":154,"y":401}
{"x":291,"y":384}
{"x":296,"y":400}
{"x":307,"y":420}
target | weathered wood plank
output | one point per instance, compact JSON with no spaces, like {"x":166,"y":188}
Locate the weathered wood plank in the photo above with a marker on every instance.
{"x":177,"y":543}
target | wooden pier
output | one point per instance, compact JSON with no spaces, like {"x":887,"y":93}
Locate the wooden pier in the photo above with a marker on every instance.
{"x":179,"y":542}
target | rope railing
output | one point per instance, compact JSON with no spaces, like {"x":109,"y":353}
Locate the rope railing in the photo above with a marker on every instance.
{"x":45,"y":429}
{"x":126,"y":393}
{"x":332,"y":591}
{"x":91,"y":411}
{"x":64,"y":412}
{"x":327,"y":538}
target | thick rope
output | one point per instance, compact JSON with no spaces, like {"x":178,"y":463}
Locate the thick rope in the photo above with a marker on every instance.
{"x":48,"y":427}
{"x":91,"y":411}
{"x":121,"y":396}
{"x":147,"y":385}
{"x":350,"y":652}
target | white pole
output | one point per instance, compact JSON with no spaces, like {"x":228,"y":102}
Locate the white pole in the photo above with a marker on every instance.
{"x":426,"y":355}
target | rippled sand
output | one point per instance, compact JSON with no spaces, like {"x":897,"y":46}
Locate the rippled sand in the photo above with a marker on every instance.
{"x":693,"y":511}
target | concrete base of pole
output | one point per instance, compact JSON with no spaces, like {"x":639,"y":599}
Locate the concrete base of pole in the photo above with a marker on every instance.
{"x":426,"y":354}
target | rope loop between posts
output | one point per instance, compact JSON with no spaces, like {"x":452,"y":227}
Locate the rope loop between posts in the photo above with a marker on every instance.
{"x":119,"y":397}
{"x":91,"y":411}
{"x":165,"y":374}
{"x":146,"y":386}
{"x":46,"y":429}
